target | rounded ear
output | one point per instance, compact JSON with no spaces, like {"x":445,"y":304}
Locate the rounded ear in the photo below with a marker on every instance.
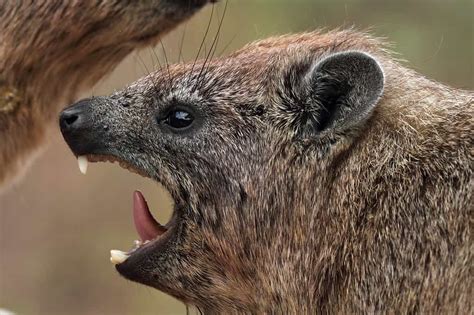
{"x":343,"y":89}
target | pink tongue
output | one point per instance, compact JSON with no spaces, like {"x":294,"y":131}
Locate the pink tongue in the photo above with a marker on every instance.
{"x":146,"y":225}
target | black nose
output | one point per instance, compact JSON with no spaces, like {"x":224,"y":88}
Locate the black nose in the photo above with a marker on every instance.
{"x":74,"y":117}
{"x":78,"y":126}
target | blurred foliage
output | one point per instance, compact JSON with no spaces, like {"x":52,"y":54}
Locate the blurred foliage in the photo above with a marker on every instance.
{"x":56,"y":226}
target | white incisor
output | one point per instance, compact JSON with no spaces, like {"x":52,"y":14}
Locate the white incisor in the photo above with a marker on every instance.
{"x":83,"y":163}
{"x":117,"y":256}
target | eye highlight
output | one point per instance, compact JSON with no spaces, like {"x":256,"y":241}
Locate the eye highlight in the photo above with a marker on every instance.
{"x":179,"y":119}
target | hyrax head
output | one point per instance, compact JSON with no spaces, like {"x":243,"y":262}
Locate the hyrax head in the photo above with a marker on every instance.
{"x":243,"y":144}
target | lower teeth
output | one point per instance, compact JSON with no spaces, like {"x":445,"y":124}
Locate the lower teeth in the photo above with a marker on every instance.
{"x":117,"y":256}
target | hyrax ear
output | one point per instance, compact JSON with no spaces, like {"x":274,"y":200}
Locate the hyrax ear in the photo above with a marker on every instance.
{"x":343,"y":90}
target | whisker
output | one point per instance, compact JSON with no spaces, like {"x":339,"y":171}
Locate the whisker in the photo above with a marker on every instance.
{"x":213,"y":48}
{"x":180,"y":56}
{"x":157,"y":59}
{"x":153,"y":66}
{"x":167,"y":64}
{"x":148,"y":71}
{"x":203,"y":40}
{"x":220,"y":27}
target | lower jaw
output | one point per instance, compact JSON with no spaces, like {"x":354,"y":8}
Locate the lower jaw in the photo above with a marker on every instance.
{"x":146,"y":262}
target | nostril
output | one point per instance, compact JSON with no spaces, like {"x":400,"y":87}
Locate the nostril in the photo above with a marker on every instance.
{"x":70,"y":119}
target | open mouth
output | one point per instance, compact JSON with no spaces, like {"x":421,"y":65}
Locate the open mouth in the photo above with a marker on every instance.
{"x":150,"y":231}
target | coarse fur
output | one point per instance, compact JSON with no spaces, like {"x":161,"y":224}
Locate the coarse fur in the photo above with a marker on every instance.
{"x":50,"y":50}
{"x":320,"y":176}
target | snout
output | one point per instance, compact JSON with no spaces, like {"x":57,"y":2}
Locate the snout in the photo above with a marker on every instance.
{"x":80,"y":129}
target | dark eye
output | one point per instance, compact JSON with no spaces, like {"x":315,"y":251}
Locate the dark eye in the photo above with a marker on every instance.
{"x":179,"y":119}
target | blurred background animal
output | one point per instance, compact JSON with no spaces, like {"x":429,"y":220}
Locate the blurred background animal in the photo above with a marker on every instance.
{"x":51,"y":50}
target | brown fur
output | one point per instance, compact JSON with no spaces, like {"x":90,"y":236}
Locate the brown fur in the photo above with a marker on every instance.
{"x":51,"y":50}
{"x":375,"y":218}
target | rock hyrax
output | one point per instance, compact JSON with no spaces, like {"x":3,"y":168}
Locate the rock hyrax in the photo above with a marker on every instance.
{"x":310,"y":173}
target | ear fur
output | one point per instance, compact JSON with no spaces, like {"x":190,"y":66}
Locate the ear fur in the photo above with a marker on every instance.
{"x":343,"y":90}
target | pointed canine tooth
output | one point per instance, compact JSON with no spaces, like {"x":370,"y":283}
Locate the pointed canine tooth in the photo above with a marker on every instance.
{"x":117,"y":256}
{"x":83,"y":162}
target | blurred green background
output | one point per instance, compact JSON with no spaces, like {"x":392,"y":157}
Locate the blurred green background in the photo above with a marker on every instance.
{"x":57,"y":226}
